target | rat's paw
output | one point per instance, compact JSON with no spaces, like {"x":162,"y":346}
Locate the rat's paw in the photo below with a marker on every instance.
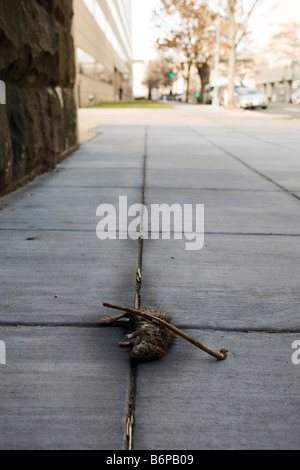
{"x":130,"y":336}
{"x":106,"y":321}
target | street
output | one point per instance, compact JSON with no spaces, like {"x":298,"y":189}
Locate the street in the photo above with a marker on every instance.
{"x":282,"y":110}
{"x":66,"y":383}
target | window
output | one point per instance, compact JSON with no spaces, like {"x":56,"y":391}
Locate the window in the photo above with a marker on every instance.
{"x":89,"y":67}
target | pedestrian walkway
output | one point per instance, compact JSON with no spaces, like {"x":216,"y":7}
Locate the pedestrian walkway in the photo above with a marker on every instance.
{"x":66,"y":383}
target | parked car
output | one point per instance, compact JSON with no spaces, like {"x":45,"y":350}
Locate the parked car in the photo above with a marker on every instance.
{"x":209,"y":94}
{"x":251,"y":98}
{"x":295,"y":98}
{"x":224,"y":95}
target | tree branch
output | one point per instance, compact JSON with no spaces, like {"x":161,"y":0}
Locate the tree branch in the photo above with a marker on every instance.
{"x":246,"y":21}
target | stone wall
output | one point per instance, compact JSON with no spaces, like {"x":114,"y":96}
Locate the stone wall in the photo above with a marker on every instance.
{"x":38,"y":123}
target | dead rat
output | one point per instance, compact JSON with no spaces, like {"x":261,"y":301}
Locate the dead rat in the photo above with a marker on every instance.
{"x":155,"y":333}
{"x":149,"y":340}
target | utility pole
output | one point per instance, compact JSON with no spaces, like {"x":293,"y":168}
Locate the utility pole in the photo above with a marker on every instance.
{"x":216,"y":101}
{"x":232,"y":51}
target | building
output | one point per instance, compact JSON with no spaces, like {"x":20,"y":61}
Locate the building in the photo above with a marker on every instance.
{"x":140,"y":90}
{"x":103,"y":44}
{"x":277,"y":63}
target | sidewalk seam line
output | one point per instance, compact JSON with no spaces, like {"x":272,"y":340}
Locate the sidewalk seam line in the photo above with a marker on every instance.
{"x":267,"y":178}
{"x":248,"y":234}
{"x":130,"y":418}
{"x":292,"y":330}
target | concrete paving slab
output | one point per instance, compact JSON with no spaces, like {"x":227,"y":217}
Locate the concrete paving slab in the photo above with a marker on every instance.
{"x":189,"y":401}
{"x":195,"y":159}
{"x":199,"y":151}
{"x":273,"y":154}
{"x":233,"y":282}
{"x":63,"y":389}
{"x":181,"y":148}
{"x":130,"y":147}
{"x":79,"y":269}
{"x":105,"y":156}
{"x":107,"y":161}
{"x":287,"y":139}
{"x":236,"y":211}
{"x":288,"y":179}
{"x":61,"y":208}
{"x":212,"y":179}
{"x":91,"y":175}
{"x":92,"y":120}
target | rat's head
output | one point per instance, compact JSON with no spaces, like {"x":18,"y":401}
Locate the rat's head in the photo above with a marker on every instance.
{"x":146,"y":351}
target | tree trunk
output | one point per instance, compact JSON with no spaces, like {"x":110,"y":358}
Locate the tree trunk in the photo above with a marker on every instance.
{"x":232,"y":52}
{"x":188,"y":79}
{"x":204,"y":74}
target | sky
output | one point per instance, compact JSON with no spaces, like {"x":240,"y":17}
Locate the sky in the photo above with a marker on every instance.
{"x":144,"y":31}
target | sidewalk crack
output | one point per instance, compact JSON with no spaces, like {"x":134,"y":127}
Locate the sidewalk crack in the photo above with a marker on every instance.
{"x":267,"y":178}
{"x":130,"y":418}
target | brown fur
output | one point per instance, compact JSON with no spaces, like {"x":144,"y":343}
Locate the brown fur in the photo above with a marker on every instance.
{"x":150,"y":341}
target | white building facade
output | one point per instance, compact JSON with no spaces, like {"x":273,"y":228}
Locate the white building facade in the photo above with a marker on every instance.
{"x":277,"y":63}
{"x":102,"y":32}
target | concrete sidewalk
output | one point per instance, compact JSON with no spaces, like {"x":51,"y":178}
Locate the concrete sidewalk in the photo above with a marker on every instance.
{"x":66,"y":383}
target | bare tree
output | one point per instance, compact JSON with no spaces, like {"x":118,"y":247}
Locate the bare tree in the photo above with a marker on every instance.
{"x":158,"y":75}
{"x":286,"y":43}
{"x":237,"y":30}
{"x":187,"y":35}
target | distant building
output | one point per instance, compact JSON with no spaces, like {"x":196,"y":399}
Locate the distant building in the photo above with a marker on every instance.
{"x":102,"y":34}
{"x":277,"y":62}
{"x":140,"y":90}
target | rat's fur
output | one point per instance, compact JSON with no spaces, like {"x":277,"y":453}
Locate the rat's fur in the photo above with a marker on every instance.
{"x":150,"y":341}
{"x":152,"y":337}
